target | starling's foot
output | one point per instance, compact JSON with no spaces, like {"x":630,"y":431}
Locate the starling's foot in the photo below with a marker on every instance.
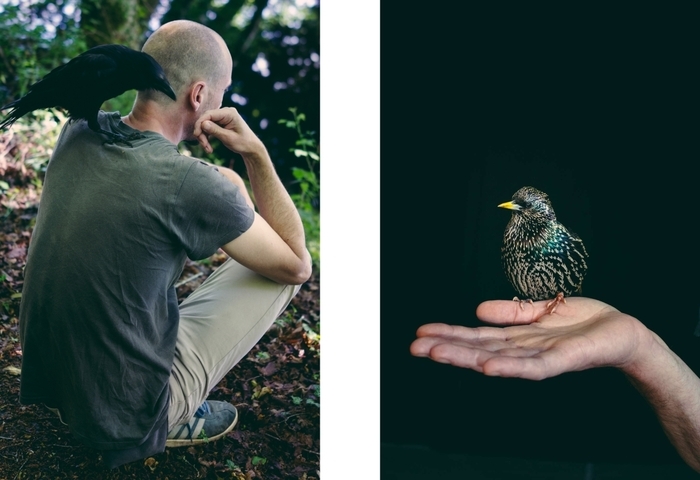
{"x":516,"y":299}
{"x":552,"y":306}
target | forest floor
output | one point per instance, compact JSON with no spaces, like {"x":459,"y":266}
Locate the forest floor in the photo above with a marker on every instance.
{"x":275,"y":388}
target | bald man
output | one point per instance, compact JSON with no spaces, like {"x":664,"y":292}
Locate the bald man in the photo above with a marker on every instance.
{"x":105,"y":344}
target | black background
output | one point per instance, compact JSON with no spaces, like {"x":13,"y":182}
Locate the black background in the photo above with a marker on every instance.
{"x":598,"y":107}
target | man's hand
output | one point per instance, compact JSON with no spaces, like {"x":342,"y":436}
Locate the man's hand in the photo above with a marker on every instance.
{"x":229,"y":127}
{"x":275,"y":244}
{"x":583,"y":333}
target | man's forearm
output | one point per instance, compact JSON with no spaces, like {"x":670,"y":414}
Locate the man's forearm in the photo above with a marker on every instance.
{"x":274,"y":203}
{"x":673,"y":390}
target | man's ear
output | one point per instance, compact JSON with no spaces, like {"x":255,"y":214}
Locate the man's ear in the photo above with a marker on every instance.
{"x":196,"y":96}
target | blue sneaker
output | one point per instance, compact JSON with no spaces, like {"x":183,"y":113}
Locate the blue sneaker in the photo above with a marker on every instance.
{"x":211,"y":421}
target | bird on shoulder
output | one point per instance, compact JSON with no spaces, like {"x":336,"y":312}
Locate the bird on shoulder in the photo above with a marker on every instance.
{"x":541,"y":258}
{"x":83,"y":84}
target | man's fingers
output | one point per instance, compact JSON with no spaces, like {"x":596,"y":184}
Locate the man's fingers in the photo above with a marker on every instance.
{"x":545,"y":364}
{"x":505,"y":312}
{"x":460,"y":333}
{"x":531,"y":368}
{"x":222,"y":116}
{"x":204,"y":142}
{"x":460,"y":356}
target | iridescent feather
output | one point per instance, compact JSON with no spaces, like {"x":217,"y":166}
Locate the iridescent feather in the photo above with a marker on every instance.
{"x":541,"y":258}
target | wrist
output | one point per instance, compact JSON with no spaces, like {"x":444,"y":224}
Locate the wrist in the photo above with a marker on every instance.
{"x":650,"y":353}
{"x":256,"y":156}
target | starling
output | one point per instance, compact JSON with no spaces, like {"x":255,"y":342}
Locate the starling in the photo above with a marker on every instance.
{"x":85,"y":82}
{"x":541,"y":258}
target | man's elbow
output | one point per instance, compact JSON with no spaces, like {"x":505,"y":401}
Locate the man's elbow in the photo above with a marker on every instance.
{"x":302,"y":272}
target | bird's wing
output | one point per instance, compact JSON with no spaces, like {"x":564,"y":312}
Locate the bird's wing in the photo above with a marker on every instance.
{"x":83,"y":70}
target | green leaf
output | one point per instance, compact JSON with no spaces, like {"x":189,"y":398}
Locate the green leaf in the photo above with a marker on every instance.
{"x":314,"y":156}
{"x":296,"y":400}
{"x":300,"y":153}
{"x":4,"y":185}
{"x":259,"y":461}
{"x":232,"y":465}
{"x":262,"y":356}
{"x":298,"y":173}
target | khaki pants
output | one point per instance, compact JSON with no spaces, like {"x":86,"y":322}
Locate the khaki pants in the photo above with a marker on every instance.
{"x":220,"y":322}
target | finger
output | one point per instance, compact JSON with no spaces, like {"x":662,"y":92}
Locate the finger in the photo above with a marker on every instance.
{"x":531,"y":368}
{"x":210,"y":128}
{"x":458,"y":332}
{"x":505,"y":312}
{"x":546,"y":364}
{"x":221,"y":116}
{"x":204,"y":142}
{"x":472,"y":358}
{"x":421,"y":346}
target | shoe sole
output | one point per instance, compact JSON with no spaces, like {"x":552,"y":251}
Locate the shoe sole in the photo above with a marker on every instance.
{"x":183,"y":442}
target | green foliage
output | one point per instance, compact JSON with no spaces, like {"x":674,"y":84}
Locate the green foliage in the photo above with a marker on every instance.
{"x":30,"y":50}
{"x":231,"y":465}
{"x":121,"y":104}
{"x":263,"y":356}
{"x":24,"y":153}
{"x":258,"y":460}
{"x":307,"y":198}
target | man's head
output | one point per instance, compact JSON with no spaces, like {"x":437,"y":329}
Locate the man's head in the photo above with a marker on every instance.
{"x":197,"y":63}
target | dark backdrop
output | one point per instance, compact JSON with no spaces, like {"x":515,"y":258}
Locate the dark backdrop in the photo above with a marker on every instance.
{"x":596,"y":107}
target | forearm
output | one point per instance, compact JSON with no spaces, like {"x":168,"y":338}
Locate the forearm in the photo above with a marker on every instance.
{"x":274,"y":203}
{"x":673,"y":390}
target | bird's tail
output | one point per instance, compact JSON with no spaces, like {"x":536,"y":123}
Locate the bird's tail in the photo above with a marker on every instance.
{"x":12,"y":116}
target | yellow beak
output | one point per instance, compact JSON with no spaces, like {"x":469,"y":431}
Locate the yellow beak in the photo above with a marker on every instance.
{"x":510,"y":206}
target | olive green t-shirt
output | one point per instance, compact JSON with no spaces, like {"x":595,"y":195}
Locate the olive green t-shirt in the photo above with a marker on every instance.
{"x":99,"y":314}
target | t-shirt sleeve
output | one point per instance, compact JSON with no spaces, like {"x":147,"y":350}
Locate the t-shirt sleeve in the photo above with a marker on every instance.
{"x":208,"y":211}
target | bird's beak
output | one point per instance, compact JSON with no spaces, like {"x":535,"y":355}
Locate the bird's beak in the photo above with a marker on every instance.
{"x":510,"y":206}
{"x":165,"y":87}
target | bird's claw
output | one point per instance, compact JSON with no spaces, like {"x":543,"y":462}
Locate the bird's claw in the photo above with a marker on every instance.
{"x":114,"y":138}
{"x":552,"y":305}
{"x":529,"y":300}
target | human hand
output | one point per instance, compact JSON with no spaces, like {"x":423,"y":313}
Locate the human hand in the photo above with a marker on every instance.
{"x":228,"y":126}
{"x":583,"y":333}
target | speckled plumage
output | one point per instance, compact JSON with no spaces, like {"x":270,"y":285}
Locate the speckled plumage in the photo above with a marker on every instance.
{"x":541,"y":258}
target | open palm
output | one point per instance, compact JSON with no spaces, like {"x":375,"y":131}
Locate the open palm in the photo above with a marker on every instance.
{"x":583,"y":333}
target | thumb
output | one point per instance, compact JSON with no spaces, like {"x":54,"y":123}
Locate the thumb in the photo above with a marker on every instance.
{"x":210,"y":127}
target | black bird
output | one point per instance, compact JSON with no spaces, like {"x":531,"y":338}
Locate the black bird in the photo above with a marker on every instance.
{"x":86,"y":81}
{"x":541,"y":258}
